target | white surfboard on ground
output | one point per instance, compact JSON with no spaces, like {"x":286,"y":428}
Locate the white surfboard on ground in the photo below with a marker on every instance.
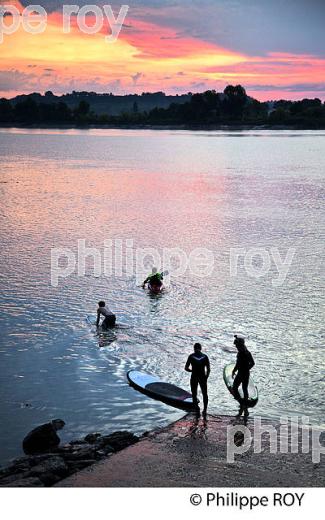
{"x":168,"y":393}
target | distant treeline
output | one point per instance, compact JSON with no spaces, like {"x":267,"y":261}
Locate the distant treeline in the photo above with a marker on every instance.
{"x":232,"y":107}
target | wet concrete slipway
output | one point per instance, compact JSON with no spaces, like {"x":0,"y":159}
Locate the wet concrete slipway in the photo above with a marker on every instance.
{"x":193,"y":452}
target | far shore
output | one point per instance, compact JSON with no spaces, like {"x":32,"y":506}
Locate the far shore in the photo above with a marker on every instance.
{"x":222,"y":128}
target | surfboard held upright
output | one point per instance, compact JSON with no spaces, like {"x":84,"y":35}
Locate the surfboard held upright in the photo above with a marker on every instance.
{"x":252,"y":388}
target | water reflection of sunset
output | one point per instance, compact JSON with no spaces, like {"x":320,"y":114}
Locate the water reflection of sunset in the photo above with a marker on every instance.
{"x":160,"y":190}
{"x":88,"y":192}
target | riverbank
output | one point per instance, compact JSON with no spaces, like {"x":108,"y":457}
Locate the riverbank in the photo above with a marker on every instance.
{"x":193,"y":452}
{"x":129,"y":126}
{"x":188,"y":452}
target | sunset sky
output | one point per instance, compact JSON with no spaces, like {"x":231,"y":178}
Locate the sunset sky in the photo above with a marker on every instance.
{"x":275,"y":49}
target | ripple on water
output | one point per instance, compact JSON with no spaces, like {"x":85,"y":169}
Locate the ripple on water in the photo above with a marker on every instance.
{"x":217,"y":192}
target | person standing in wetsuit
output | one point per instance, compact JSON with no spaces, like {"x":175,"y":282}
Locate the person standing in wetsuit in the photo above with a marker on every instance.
{"x":243,"y":366}
{"x":200,"y":370}
{"x":109,"y":318}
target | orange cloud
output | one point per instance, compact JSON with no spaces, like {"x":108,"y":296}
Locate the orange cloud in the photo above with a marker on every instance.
{"x":146,"y":57}
{"x":275,"y":68}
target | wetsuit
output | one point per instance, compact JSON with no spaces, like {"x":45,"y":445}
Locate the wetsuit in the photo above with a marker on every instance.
{"x":109,"y":317}
{"x":244,"y":363}
{"x":155,"y":280}
{"x":200,"y":370}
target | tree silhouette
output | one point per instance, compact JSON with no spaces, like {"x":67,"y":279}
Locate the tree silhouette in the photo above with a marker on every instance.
{"x":235,"y":101}
{"x":6,"y":111}
{"x":27,"y":111}
{"x":209,"y":108}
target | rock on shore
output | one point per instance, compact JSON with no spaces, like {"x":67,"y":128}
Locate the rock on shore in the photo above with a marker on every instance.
{"x":47,"y":469}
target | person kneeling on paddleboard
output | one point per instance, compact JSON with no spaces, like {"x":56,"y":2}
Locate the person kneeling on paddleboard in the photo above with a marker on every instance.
{"x":154,"y":279}
{"x":243,"y":366}
{"x":200,"y":369}
{"x":109,"y":318}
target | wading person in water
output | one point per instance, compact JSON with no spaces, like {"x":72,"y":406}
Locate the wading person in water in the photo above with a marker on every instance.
{"x":154,"y":279}
{"x":243,"y":365}
{"x":109,"y":318}
{"x":200,"y":370}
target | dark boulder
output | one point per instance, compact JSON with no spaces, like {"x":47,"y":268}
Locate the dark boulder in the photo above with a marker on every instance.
{"x":120,"y":440}
{"x":82,"y":453}
{"x":49,"y":479}
{"x":13,"y":469}
{"x":26,"y":482}
{"x":92,"y":437}
{"x":10,"y":479}
{"x":78,"y":442}
{"x":54,"y":465}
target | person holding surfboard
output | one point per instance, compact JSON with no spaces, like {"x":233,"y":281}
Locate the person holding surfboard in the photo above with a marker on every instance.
{"x":241,"y":371}
{"x":109,"y":317}
{"x":200,"y":370}
{"x":154,"y":279}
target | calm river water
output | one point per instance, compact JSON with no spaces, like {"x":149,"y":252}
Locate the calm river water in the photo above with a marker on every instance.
{"x":253,"y":193}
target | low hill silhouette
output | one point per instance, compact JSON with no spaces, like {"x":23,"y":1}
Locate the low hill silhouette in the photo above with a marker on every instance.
{"x":231,"y":107}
